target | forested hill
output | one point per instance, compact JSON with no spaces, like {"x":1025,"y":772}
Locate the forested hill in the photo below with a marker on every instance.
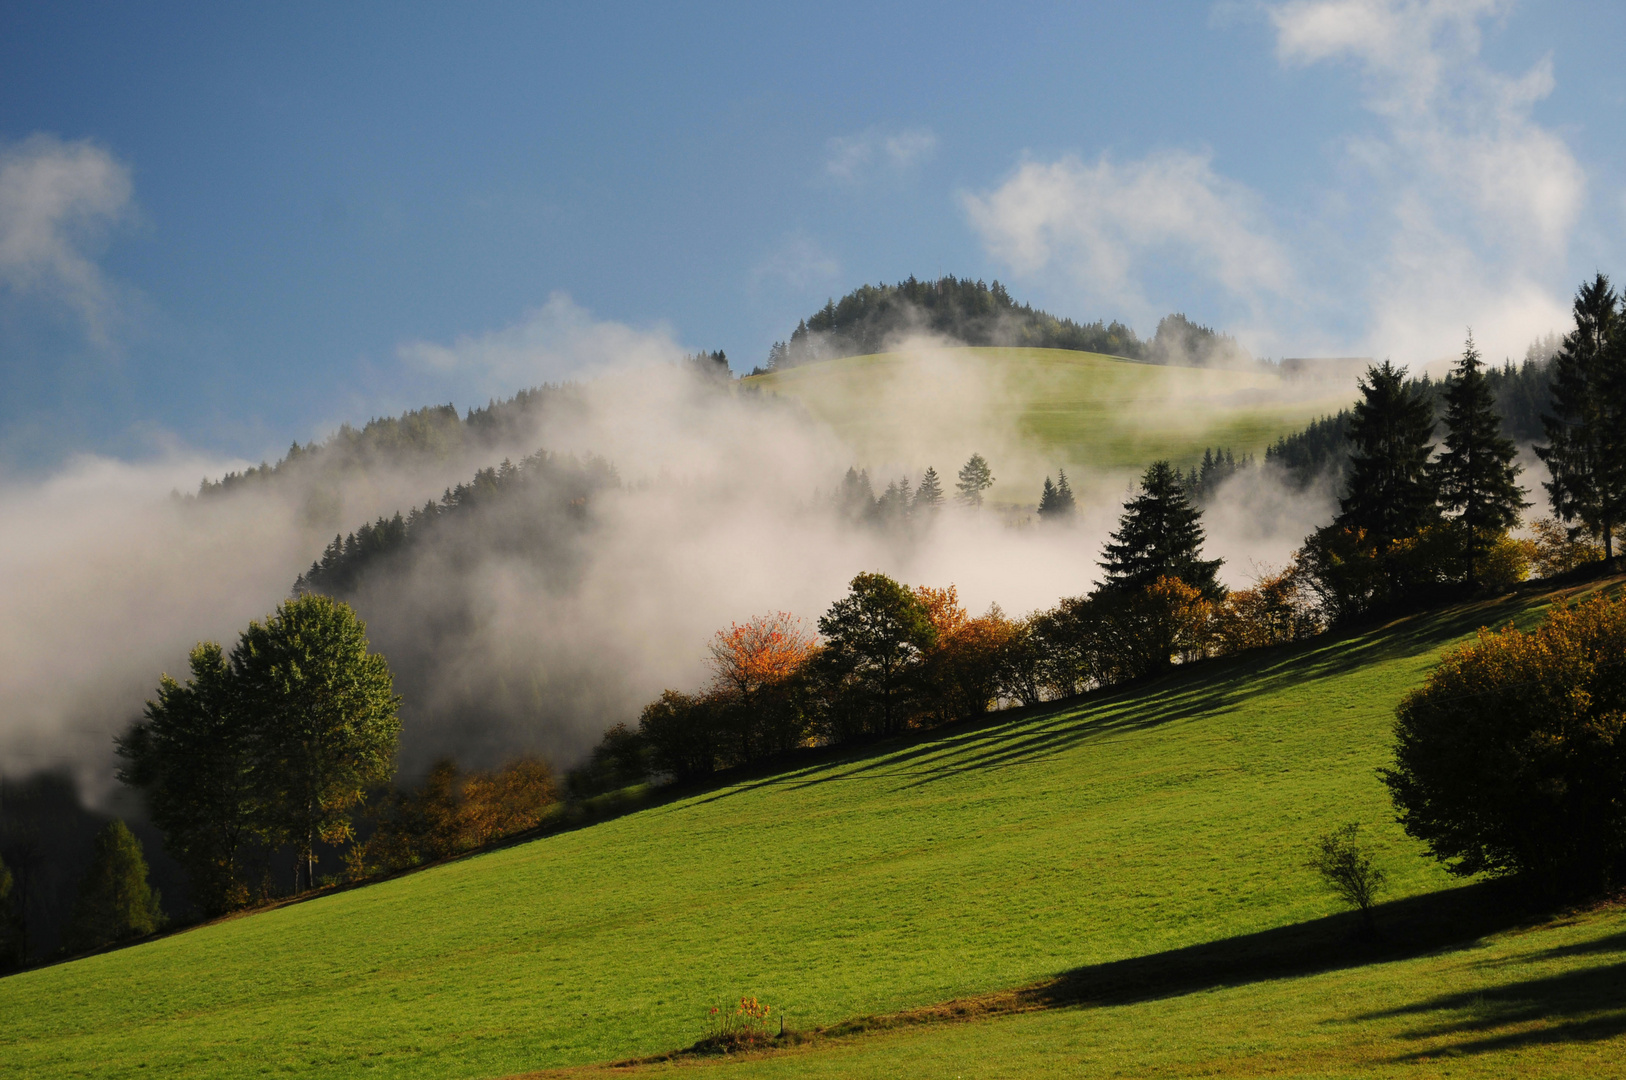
{"x":436,"y":432}
{"x":871,"y":317}
{"x":970,"y":312}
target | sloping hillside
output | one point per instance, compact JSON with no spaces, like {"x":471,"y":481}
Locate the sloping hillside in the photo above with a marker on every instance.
{"x":1034,"y":409}
{"x":1118,"y":827}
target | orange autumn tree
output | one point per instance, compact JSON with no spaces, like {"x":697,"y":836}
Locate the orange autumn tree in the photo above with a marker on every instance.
{"x":961,"y":670}
{"x":766,"y":650}
{"x":754,"y":702}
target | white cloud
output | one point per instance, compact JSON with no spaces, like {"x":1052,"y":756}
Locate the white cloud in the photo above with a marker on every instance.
{"x":1459,"y":209}
{"x":56,"y":200}
{"x":799,"y":261}
{"x":1108,"y":222}
{"x":851,"y":158}
{"x":559,"y":340}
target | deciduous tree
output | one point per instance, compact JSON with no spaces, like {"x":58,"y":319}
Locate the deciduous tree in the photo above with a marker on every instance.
{"x":115,"y":901}
{"x":324,"y":713}
{"x":193,"y":756}
{"x":873,"y":637}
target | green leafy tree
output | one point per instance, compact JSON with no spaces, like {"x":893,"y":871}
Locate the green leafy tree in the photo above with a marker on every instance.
{"x":1159,"y":535}
{"x":1586,"y":430}
{"x":11,"y":929}
{"x":324,"y":712}
{"x":873,"y":638}
{"x":929,"y":495}
{"x":975,"y":478}
{"x":115,"y":901}
{"x":192,"y":754}
{"x":1056,"y":502}
{"x":1391,"y":493}
{"x":1475,"y":475}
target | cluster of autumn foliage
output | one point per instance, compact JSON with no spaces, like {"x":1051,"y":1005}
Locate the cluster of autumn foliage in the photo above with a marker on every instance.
{"x":451,"y":812}
{"x":887,"y":658}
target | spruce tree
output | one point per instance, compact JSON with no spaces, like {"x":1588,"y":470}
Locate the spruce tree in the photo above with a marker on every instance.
{"x":1475,"y":475}
{"x":929,"y":496}
{"x":1585,"y":440}
{"x":975,"y":478}
{"x":115,"y":901}
{"x":1056,"y":500}
{"x":1391,"y":487}
{"x":1159,"y":535}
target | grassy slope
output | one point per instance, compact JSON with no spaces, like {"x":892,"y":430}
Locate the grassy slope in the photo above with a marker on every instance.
{"x":1083,"y":408}
{"x":970,"y":861}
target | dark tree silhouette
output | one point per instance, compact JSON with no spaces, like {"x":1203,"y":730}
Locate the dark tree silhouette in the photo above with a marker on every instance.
{"x":873,"y":636}
{"x":1586,"y":443}
{"x":1391,"y":492}
{"x":115,"y":901}
{"x":1159,"y":535}
{"x":1056,"y":501}
{"x":1475,"y":475}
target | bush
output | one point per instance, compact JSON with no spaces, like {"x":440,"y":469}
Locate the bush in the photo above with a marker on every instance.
{"x":1277,"y":610}
{"x":1511,"y":759}
{"x":1554,"y":551}
{"x":1347,"y":868}
{"x":452,"y":812}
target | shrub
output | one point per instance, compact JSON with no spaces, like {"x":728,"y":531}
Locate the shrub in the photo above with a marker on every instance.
{"x":1511,"y":759}
{"x":735,"y":1027}
{"x":1347,"y":868}
{"x":1277,"y":610}
{"x":1555,"y":551}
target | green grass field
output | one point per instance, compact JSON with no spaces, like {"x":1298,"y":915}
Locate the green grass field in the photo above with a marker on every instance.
{"x":1036,"y":408}
{"x":1146,"y":846}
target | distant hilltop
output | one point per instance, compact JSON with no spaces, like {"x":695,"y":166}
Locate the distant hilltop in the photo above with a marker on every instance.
{"x":873,"y":318}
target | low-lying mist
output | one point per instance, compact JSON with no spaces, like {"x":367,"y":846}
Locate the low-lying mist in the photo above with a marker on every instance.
{"x":722,"y":510}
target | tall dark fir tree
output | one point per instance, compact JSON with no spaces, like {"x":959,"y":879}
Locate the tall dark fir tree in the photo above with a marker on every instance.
{"x":1586,"y":431}
{"x":1159,"y":535}
{"x":1391,"y":492}
{"x":1475,"y":475}
{"x":1056,"y":502}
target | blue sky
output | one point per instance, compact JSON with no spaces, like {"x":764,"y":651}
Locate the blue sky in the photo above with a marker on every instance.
{"x":224,"y":227}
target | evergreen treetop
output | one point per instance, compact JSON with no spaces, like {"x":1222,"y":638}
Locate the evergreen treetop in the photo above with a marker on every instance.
{"x":975,"y":478}
{"x":1586,"y":446}
{"x":1475,"y":475}
{"x":929,"y":495}
{"x":1391,"y":492}
{"x":1159,"y":535}
{"x":1056,"y":501}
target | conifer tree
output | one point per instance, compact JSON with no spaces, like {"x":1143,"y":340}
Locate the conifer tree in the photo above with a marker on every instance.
{"x":1159,"y":535}
{"x":975,"y":478}
{"x":929,"y":496}
{"x":1586,"y":443}
{"x":1475,"y":475}
{"x":115,"y":901}
{"x":1056,"y":500}
{"x":1391,"y":488}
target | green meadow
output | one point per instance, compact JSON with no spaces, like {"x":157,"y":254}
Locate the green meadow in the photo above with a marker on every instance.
{"x":1055,"y":406}
{"x":1134,"y":859}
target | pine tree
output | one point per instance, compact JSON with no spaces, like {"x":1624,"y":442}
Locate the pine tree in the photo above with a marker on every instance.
{"x":1585,"y":442}
{"x":1056,"y":500}
{"x":1475,"y":475}
{"x":975,"y":478}
{"x":115,"y":901}
{"x":929,"y":496}
{"x":1159,"y":535}
{"x":1391,"y":488}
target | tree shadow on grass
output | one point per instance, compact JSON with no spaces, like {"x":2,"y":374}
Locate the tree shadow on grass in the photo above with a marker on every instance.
{"x":1585,"y":1005}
